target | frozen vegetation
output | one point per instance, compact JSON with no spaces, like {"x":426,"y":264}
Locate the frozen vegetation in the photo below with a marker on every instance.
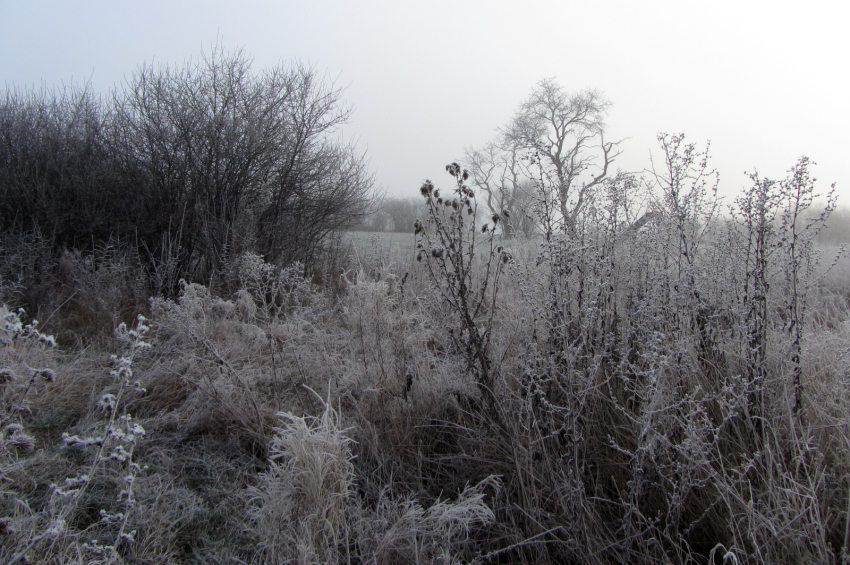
{"x":564,"y":365}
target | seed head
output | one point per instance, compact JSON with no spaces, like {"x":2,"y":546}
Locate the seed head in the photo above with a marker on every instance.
{"x":495,"y":218}
{"x":7,"y":375}
{"x":21,"y":441}
{"x":12,"y":429}
{"x":505,"y":213}
{"x":47,"y":374}
{"x":436,"y":252}
{"x":426,"y":189}
{"x":107,"y":402}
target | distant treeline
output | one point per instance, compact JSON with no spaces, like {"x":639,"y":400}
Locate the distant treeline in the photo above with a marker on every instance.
{"x":398,"y":215}
{"x":393,"y":215}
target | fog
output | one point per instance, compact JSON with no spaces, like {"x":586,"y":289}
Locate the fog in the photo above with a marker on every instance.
{"x":764,"y":82}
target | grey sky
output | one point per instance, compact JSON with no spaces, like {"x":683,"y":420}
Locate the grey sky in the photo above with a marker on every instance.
{"x":766,"y":82}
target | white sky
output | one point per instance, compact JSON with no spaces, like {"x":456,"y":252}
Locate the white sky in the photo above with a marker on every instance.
{"x":766,"y":82}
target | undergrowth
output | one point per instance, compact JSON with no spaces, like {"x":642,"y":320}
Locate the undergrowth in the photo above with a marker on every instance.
{"x":676,"y":393}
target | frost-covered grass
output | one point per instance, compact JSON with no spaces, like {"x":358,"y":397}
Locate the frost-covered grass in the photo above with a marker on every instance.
{"x":276,"y":423}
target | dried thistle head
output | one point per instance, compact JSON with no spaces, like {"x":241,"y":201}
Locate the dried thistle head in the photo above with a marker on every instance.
{"x":47,"y":374}
{"x":436,"y":252}
{"x":453,"y":169}
{"x":7,"y":375}
{"x":505,"y":213}
{"x":12,"y":429}
{"x":107,"y":402}
{"x":485,"y":228}
{"x":14,"y":436}
{"x":495,"y":218}
{"x":426,"y":189}
{"x":417,"y":227}
{"x":21,"y":442}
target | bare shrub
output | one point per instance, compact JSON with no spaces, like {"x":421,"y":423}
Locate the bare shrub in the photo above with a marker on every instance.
{"x":218,"y":369}
{"x":275,"y":291}
{"x":269,"y":178}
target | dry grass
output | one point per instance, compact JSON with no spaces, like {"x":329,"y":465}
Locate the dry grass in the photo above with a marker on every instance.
{"x":638,"y":446}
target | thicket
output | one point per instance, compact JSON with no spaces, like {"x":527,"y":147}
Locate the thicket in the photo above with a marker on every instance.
{"x":184,"y":167}
{"x":623,"y":387}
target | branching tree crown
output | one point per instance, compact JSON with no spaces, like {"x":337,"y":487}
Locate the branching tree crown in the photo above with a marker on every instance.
{"x":497,"y":171}
{"x":237,"y":160}
{"x":556,"y":140}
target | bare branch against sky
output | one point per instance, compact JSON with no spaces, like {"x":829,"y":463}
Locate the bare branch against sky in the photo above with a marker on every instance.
{"x":766,"y":82}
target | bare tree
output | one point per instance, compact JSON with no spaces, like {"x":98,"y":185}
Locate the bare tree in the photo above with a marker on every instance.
{"x":233,"y":160}
{"x":565,"y":133}
{"x":498,"y":173}
{"x":556,"y":145}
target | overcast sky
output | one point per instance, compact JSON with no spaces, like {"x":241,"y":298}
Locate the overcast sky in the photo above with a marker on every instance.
{"x":766,"y":82}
